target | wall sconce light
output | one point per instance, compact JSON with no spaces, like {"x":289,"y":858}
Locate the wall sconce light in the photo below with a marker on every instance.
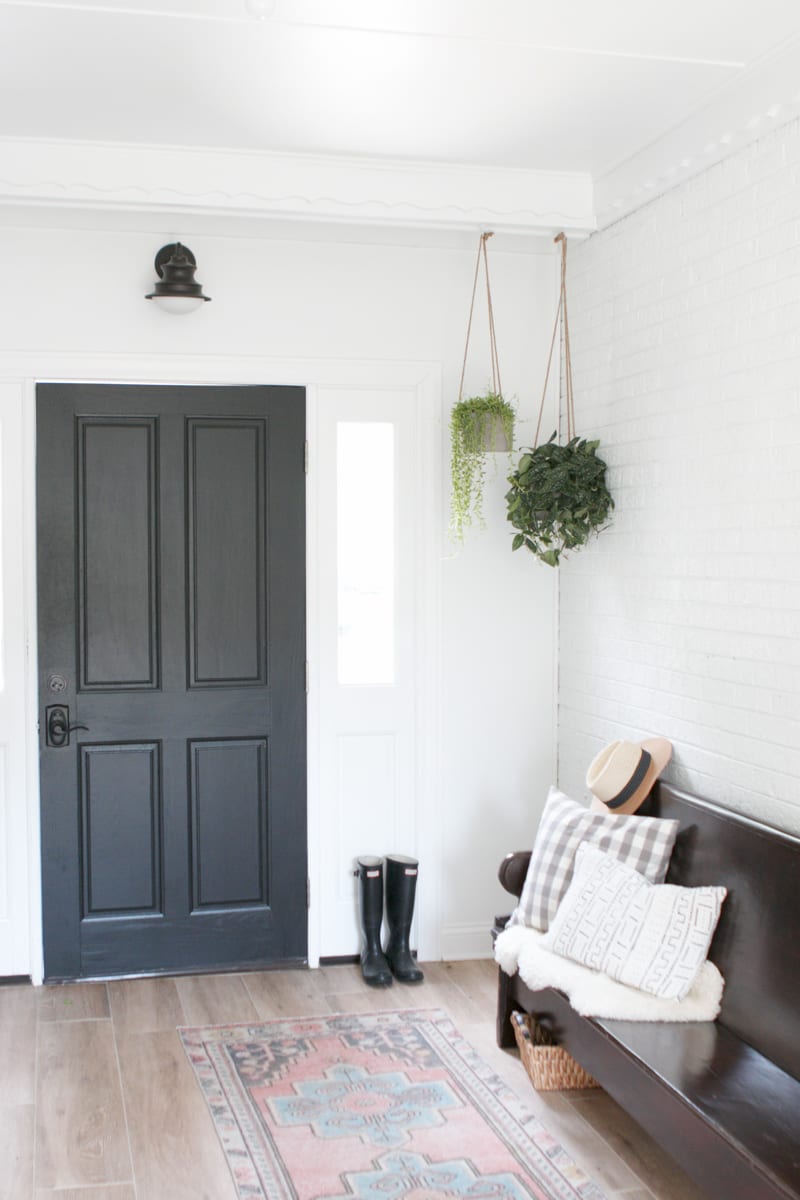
{"x":176,"y":290}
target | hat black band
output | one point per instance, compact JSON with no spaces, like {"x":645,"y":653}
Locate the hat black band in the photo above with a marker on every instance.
{"x":633,"y":783}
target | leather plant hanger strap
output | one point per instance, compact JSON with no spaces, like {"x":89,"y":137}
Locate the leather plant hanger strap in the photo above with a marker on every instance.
{"x":561,"y":312}
{"x":497,"y":387}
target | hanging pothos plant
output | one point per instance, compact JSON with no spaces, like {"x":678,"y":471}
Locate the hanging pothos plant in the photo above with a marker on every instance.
{"x":558,"y":496}
{"x":479,"y":426}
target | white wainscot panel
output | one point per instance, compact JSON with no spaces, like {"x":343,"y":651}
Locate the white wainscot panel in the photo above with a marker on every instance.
{"x":15,"y":955}
{"x":5,"y":848}
{"x":366,"y":800}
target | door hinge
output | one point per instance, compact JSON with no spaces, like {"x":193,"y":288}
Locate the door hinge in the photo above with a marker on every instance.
{"x":308,"y":893}
{"x":305,"y":457}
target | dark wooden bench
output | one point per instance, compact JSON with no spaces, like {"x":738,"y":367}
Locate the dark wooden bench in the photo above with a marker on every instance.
{"x":723,"y":1097}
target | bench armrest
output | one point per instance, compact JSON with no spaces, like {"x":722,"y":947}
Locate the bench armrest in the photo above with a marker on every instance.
{"x":512,"y":871}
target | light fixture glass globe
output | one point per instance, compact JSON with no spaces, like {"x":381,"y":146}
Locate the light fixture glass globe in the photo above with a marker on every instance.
{"x":179,"y":305}
{"x":260,"y":9}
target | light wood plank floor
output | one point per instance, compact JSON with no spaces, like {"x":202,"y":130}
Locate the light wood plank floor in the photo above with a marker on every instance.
{"x":97,"y":1100}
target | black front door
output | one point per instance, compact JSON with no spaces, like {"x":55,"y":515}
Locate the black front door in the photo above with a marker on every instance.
{"x":171,"y":558}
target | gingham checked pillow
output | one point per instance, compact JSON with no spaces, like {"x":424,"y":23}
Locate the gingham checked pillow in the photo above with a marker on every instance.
{"x":643,"y":843}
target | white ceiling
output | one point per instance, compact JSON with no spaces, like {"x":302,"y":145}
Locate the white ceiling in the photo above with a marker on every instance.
{"x":568,"y":86}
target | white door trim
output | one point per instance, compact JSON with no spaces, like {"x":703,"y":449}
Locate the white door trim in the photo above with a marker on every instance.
{"x":430,"y":542}
{"x":29,"y":368}
{"x":379,"y":745}
{"x":32,"y":682}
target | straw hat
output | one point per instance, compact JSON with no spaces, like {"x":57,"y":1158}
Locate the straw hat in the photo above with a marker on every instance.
{"x":622,"y":774}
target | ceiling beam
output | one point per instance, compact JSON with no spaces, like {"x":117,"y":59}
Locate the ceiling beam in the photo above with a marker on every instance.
{"x":295,"y":186}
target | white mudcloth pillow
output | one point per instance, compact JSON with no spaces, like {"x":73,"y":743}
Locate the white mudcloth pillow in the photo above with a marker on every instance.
{"x":654,"y":937}
{"x":644,"y":843}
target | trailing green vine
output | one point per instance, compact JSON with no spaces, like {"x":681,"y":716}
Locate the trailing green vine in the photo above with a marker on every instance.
{"x":558,"y":498}
{"x":475,"y":428}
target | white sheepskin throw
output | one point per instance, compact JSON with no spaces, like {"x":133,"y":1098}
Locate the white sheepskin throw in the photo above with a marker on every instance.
{"x":593,"y":994}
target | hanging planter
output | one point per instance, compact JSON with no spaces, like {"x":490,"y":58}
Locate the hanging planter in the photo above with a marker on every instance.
{"x":558,"y":498}
{"x":479,"y":426}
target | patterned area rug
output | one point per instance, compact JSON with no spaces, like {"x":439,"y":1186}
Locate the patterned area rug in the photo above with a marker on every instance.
{"x":378,"y":1106}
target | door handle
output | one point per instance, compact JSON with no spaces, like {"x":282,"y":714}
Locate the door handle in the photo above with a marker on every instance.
{"x":57,"y":727}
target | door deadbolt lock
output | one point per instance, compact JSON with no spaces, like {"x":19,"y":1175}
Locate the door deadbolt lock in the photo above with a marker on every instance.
{"x":57,"y":727}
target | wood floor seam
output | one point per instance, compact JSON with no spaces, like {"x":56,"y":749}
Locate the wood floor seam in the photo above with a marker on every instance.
{"x":76,"y":1021}
{"x":640,"y":1182}
{"x":132,"y":1180}
{"x":36,"y":1068}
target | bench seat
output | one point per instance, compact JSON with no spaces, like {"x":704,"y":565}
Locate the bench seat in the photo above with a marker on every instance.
{"x":711,"y":1093}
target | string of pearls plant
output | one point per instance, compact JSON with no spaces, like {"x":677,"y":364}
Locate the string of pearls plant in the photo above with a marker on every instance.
{"x":479,"y":425}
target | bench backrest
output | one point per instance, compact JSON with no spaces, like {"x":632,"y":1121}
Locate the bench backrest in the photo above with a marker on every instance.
{"x":757,"y":943}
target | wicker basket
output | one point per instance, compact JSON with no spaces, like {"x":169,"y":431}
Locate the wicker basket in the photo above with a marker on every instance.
{"x":549,"y":1066}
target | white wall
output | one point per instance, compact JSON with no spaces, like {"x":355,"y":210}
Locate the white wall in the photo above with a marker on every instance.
{"x":73,"y":293}
{"x":684,"y":618}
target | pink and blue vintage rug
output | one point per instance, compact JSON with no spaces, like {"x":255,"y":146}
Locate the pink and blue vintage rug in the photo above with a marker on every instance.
{"x":377,"y":1106}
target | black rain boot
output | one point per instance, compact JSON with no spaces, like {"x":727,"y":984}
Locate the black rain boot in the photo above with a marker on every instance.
{"x":401,"y":884}
{"x":374,"y":966}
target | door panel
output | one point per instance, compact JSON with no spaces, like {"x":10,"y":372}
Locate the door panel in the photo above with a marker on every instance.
{"x":117,"y":629}
{"x":230,"y":817}
{"x":172,"y":605}
{"x":226,"y":561}
{"x":120,"y":789}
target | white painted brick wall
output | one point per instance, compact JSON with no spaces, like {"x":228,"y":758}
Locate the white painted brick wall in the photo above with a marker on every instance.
{"x":683,"y":618}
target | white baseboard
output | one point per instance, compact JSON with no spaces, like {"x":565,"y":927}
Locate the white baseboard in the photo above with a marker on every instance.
{"x":466,"y":941}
